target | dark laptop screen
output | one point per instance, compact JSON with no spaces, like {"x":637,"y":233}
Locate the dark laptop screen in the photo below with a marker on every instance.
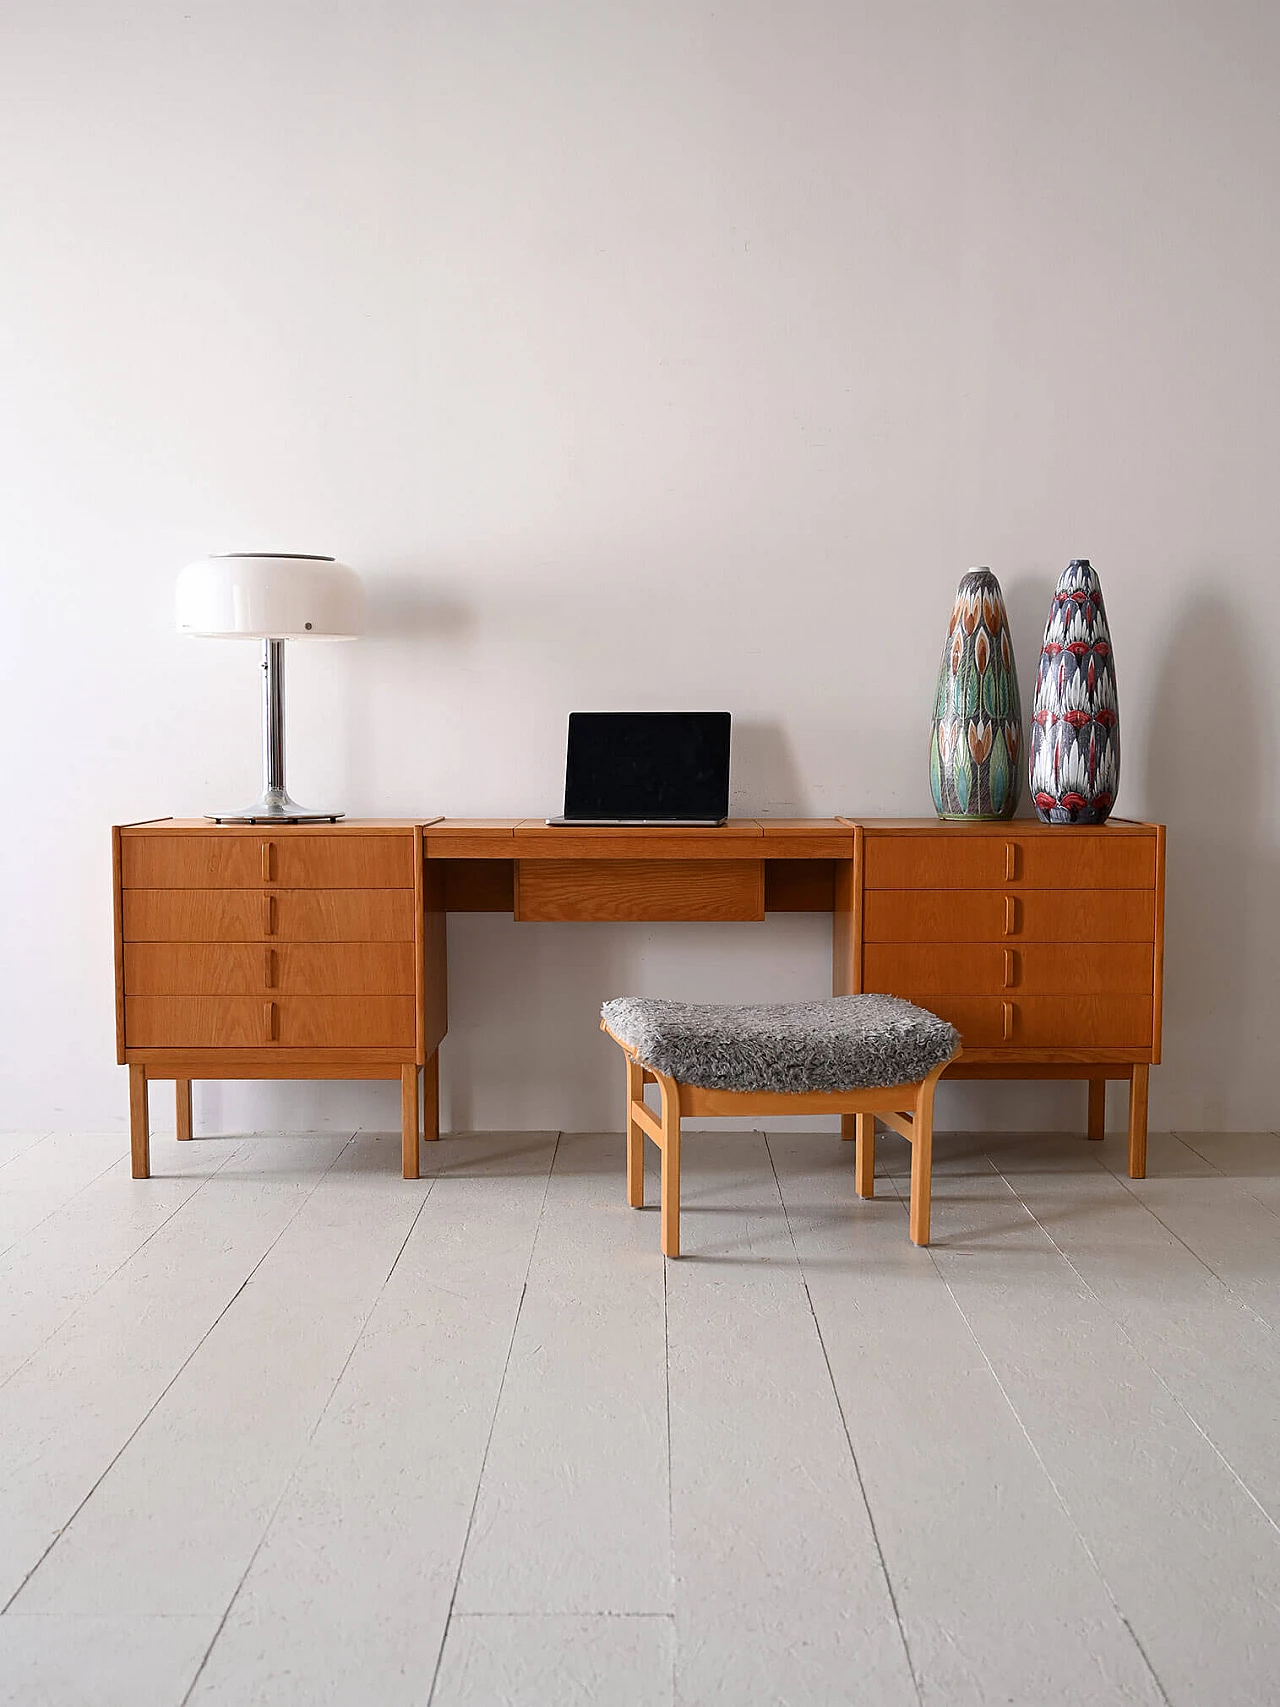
{"x":647,"y":764}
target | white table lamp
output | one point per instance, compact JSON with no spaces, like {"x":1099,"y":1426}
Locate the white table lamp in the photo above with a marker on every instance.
{"x":272,"y":597}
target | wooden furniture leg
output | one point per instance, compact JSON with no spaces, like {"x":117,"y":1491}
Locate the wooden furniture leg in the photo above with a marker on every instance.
{"x":1138,"y":1120}
{"x":848,"y":1127}
{"x":139,"y":1124}
{"x":635,"y":1136}
{"x":670,"y":1166}
{"x":182,"y":1089}
{"x":922,"y":1159}
{"x":431,"y":1098}
{"x":864,"y":1166}
{"x":1097,"y":1109}
{"x":409,"y":1120}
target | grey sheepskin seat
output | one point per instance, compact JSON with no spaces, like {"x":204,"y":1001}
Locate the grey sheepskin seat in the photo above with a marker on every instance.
{"x":844,"y":1043}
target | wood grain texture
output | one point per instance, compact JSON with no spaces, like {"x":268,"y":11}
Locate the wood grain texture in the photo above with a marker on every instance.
{"x":1035,"y":969}
{"x":1097,"y":1119}
{"x":218,"y":859}
{"x":299,"y":915}
{"x":995,"y":915}
{"x":245,"y":1022}
{"x":1078,"y":1022}
{"x":183,"y":1126}
{"x":1138,"y":1121}
{"x":433,"y":998}
{"x":1078,"y":858}
{"x":117,"y":940}
{"x":139,"y":1123}
{"x":298,"y":968}
{"x":641,"y":889}
{"x":409,"y":1120}
{"x":740,"y":838}
{"x":847,"y":924}
{"x":477,"y":885}
{"x":1158,"y":969}
{"x":279,"y":1062}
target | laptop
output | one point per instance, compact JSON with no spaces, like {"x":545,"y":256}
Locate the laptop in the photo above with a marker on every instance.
{"x":647,"y":767}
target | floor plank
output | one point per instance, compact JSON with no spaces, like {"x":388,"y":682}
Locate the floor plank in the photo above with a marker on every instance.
{"x":1214,"y":1353}
{"x":68,"y":1411}
{"x":1251,"y":1159}
{"x":238,"y":1415}
{"x":13,"y":1144}
{"x":1222,"y":1220}
{"x":951,"y":1503}
{"x":1171,"y":1529}
{"x":99,"y":1662}
{"x":48,"y":1273}
{"x":347,"y":1599}
{"x":46,"y":1175}
{"x":572,"y":1511}
{"x":780,"y":1590}
{"x":556,"y":1662}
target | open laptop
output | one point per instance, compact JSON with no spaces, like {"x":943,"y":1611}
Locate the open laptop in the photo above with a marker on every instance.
{"x":647,"y":767}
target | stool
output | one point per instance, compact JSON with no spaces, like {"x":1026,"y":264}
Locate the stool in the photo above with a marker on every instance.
{"x":858,"y":1056}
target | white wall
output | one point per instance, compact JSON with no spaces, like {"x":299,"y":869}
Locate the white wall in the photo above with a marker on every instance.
{"x":638,"y":354}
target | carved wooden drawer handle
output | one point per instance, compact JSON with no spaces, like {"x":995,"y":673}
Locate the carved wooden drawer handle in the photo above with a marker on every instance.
{"x":1008,"y":1021}
{"x":268,"y":861}
{"x":268,"y":915}
{"x":270,"y":974}
{"x":271,"y":1019}
{"x":1010,"y":968}
{"x":1010,"y":916}
{"x":1010,"y":861}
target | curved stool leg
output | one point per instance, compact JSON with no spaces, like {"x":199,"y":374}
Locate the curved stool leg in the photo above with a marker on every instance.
{"x":635,"y":1137}
{"x":922,"y":1158}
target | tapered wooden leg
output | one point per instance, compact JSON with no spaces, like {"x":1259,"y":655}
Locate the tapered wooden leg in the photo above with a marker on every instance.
{"x":1097,"y":1108}
{"x":864,"y":1166}
{"x":635,"y":1137}
{"x":1138,"y":1120}
{"x":139,"y":1124}
{"x":431,"y":1098}
{"x":848,"y":1127}
{"x":409,"y":1120}
{"x":182,"y":1088}
{"x":922,"y":1161}
{"x":670,"y":1168}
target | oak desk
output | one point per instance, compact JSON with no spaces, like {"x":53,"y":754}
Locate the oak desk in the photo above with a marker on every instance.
{"x":1042,"y":944}
{"x":318,"y":950}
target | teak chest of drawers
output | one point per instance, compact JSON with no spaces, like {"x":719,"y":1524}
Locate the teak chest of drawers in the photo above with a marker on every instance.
{"x":1042,"y":944}
{"x":298,"y":951}
{"x":318,"y":951}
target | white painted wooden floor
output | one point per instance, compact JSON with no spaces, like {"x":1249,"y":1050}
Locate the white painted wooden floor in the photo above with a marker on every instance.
{"x":278,"y":1427}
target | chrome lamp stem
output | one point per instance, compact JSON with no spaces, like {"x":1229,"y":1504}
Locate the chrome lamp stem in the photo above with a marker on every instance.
{"x":273,"y":806}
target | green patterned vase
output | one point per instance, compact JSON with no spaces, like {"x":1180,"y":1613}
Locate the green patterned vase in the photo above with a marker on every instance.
{"x":975,"y":762}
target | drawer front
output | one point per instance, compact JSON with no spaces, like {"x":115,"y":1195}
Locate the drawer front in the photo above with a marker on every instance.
{"x":243,"y":969}
{"x":255,"y":1022}
{"x":985,"y":915}
{"x":1072,"y":859}
{"x":232,"y":860}
{"x":1045,"y":1022}
{"x":548,"y":889}
{"x":300,"y":915}
{"x":1037,"y":969}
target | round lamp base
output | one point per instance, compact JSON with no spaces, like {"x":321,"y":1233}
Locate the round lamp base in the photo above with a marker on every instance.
{"x":275,"y":807}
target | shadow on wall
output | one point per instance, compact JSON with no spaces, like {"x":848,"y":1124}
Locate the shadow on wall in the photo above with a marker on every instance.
{"x":1205,"y":778}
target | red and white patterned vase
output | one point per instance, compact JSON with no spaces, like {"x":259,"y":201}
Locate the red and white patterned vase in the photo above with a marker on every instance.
{"x":1074,"y":762}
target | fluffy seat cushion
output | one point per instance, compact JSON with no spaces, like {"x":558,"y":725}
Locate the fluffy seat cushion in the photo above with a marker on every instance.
{"x":844,"y":1043}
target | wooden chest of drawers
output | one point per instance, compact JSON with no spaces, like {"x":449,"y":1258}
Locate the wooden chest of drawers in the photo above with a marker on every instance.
{"x":1042,"y":944}
{"x":293,"y":951}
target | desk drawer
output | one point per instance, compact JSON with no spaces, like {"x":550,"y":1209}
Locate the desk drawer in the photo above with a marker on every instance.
{"x":1044,"y":1022}
{"x":236,"y":860}
{"x":1036,"y":969}
{"x":988,"y":915}
{"x":551,"y":889}
{"x":1071,"y":859}
{"x":253,"y":1022}
{"x":299,"y":915}
{"x":244,"y":969}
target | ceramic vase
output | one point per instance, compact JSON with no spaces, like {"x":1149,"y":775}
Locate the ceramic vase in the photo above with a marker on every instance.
{"x":1074,"y":763}
{"x":975,"y":750}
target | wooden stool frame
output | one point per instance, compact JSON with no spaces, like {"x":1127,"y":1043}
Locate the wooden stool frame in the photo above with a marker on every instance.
{"x":907,"y":1109}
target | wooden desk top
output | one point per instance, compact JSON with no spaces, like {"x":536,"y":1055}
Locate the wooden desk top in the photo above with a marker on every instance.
{"x":739,"y":838}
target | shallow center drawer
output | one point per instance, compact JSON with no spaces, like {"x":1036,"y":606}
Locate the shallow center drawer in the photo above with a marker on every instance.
{"x":639,"y":889}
